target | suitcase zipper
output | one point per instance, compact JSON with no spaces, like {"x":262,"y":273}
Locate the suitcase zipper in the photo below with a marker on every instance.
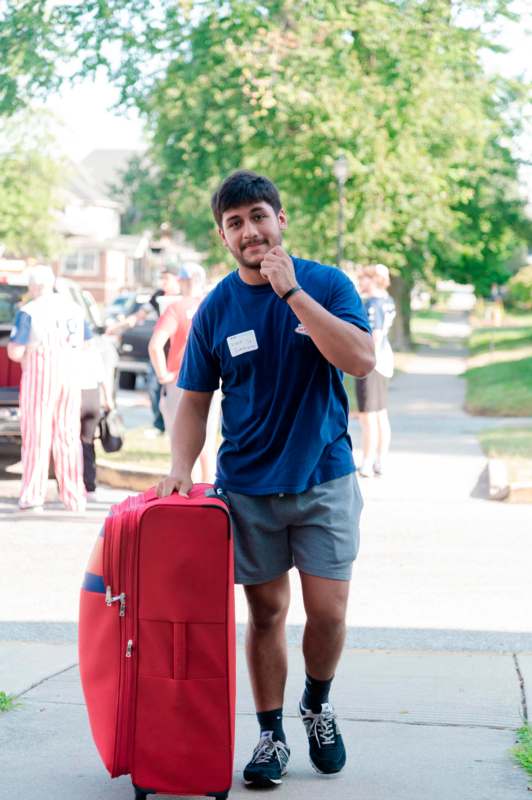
{"x":109,"y":546}
{"x":107,"y":560}
{"x":119,"y":598}
{"x":127,"y":649}
{"x":115,"y":548}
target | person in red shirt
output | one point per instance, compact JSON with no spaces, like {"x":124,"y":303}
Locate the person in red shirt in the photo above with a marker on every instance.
{"x":173,"y":326}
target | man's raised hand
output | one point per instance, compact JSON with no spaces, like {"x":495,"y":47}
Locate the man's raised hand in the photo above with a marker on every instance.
{"x":278,"y":268}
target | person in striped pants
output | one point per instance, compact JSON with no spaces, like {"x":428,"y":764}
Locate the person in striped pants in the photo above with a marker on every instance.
{"x":48,"y":332}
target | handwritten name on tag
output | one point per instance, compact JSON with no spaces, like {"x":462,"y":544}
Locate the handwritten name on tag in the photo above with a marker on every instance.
{"x":242,"y":343}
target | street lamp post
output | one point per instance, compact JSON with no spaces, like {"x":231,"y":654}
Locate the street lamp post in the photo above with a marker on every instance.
{"x":341,"y":173}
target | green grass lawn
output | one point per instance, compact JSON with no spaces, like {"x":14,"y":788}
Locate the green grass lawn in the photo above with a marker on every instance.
{"x":499,"y":384}
{"x":499,"y":377}
{"x":501,"y":389}
{"x":140,"y":451}
{"x":7,"y":702}
{"x":516,"y":332}
{"x":514,"y":447}
{"x":424,"y":326}
{"x":523,"y":751}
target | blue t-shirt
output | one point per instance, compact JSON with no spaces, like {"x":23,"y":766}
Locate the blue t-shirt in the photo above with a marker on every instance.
{"x":381,"y":313}
{"x":284,"y":407}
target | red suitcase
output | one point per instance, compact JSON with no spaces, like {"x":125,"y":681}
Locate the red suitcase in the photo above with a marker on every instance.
{"x":157,"y":643}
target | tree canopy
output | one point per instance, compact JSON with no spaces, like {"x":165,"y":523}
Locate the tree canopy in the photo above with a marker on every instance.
{"x":286,"y":86}
{"x":30,"y":180}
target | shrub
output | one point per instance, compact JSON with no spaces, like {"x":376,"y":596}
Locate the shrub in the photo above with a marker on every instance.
{"x":519,"y":293}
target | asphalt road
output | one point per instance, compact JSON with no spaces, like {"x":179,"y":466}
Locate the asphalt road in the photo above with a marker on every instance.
{"x":440,"y":569}
{"x":440,"y":566}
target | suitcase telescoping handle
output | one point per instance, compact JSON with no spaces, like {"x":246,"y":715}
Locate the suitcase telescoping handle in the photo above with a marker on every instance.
{"x":218,"y":493}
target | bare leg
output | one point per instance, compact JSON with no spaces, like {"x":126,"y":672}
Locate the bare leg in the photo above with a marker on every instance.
{"x":368,"y":424}
{"x":384,"y":436}
{"x":325,"y":603}
{"x":323,"y":640}
{"x":266,"y":641}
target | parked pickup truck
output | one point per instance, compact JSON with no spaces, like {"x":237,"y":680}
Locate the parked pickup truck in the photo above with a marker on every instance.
{"x":13,"y":293}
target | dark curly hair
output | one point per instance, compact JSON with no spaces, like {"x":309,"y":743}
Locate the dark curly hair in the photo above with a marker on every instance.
{"x":242,"y":188}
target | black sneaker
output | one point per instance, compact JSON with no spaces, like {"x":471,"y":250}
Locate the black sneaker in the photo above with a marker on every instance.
{"x":326,"y":746}
{"x":268,"y":762}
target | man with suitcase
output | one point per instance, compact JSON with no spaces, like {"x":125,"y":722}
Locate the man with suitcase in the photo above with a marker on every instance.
{"x":278,"y":332}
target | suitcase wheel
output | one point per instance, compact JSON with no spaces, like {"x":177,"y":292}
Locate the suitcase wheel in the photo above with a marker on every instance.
{"x":219,"y":795}
{"x":141,"y":794}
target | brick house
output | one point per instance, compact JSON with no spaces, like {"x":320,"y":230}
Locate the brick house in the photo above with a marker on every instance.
{"x":96,"y":254}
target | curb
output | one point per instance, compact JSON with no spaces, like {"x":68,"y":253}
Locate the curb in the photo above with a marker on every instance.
{"x":130,"y":478}
{"x":500,"y":487}
{"x":499,"y":484}
{"x":126,"y":476}
{"x":520,"y":493}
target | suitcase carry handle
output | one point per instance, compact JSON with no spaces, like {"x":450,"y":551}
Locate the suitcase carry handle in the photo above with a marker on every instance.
{"x":150,"y":495}
{"x":210,"y":492}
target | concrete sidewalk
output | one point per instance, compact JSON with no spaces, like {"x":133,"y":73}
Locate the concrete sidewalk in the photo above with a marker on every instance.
{"x":428,"y":692}
{"x":416,"y":725}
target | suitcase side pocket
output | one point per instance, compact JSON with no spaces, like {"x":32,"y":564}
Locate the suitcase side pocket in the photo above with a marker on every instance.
{"x":99,"y":636}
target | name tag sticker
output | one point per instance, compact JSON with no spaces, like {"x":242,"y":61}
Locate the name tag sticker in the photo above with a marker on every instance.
{"x":242,"y":343}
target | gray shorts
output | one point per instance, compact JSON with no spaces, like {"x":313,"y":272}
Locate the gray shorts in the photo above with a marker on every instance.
{"x":316,"y":531}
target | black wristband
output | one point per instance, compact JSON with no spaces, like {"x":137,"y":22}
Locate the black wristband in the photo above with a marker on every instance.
{"x":290,"y":292}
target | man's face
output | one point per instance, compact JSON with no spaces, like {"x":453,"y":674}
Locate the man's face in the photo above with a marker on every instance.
{"x":34,"y":290}
{"x":249,"y":232}
{"x":366,"y":284}
{"x":169,"y":283}
{"x":185,"y":286}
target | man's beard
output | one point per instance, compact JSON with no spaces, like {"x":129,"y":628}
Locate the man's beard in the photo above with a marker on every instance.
{"x":244,"y":262}
{"x":256,"y":262}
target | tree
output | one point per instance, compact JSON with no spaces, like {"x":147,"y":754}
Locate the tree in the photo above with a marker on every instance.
{"x":29,"y":188}
{"x":284,"y":86}
{"x":30,"y":46}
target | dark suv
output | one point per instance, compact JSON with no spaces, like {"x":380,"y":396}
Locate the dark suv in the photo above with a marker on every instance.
{"x":132,"y":343}
{"x":133,"y":353}
{"x":127,"y":303}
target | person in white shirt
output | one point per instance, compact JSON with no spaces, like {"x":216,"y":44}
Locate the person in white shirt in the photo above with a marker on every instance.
{"x":46,"y":339}
{"x":372,"y":391}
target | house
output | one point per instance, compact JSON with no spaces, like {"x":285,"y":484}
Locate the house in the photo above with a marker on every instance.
{"x":97,"y":254}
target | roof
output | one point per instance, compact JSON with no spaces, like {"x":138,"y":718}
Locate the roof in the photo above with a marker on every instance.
{"x":106,"y":166}
{"x":81,"y":183}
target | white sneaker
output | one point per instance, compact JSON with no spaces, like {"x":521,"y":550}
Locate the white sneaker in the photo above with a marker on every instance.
{"x":93,"y":497}
{"x":365,"y":471}
{"x":31,"y":509}
{"x":153,"y":433}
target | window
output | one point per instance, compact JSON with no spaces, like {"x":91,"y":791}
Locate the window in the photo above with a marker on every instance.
{"x":10,"y":300}
{"x":81,"y":262}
